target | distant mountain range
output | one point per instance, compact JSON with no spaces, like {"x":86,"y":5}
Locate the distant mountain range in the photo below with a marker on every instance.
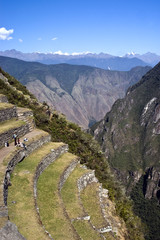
{"x":150,"y":58}
{"x":83,"y":93}
{"x":102,"y":60}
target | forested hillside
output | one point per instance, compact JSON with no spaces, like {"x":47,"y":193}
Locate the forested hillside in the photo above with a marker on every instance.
{"x":130,"y":138}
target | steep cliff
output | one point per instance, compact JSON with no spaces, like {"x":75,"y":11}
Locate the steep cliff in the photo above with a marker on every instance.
{"x":130,"y":132}
{"x":130,"y":137}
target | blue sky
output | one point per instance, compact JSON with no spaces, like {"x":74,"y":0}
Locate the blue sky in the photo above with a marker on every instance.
{"x":110,"y":26}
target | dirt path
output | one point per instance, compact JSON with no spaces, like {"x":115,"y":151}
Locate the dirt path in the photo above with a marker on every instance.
{"x":6,"y":150}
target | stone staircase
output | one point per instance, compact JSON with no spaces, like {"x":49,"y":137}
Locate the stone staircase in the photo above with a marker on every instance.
{"x":44,"y":191}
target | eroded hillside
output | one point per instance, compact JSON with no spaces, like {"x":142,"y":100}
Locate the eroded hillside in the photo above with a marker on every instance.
{"x":84,"y":94}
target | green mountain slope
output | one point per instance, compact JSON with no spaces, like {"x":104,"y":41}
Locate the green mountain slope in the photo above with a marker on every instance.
{"x":130,"y":137}
{"x":80,"y":143}
{"x":84,"y":94}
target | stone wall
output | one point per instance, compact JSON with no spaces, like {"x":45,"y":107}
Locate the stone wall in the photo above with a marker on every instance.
{"x":46,"y":161}
{"x":7,"y":136}
{"x":86,"y":179}
{"x":8,"y":113}
{"x":26,"y":115}
{"x":18,"y":157}
{"x":55,"y":153}
{"x":67,"y":172}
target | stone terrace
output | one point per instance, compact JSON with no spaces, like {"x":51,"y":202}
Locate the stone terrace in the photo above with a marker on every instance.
{"x":44,"y":191}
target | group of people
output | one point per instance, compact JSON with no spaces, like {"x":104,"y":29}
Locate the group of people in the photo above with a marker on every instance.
{"x":17,"y":142}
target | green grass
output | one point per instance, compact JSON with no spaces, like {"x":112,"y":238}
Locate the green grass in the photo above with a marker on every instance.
{"x":23,"y":212}
{"x":69,"y":194}
{"x":90,"y":200}
{"x":49,"y":201}
{"x":86,"y":231}
{"x":5,"y":106}
{"x":10,"y":124}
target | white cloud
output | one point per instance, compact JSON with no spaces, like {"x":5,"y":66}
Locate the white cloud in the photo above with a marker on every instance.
{"x":39,"y":39}
{"x":5,"y":34}
{"x":20,"y":40}
{"x":55,"y":38}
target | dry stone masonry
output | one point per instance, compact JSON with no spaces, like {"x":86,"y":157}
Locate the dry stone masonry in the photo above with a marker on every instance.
{"x":19,"y":131}
{"x":67,"y":172}
{"x":50,"y":158}
{"x":18,"y":157}
{"x":86,"y":179}
{"x":8,"y":113}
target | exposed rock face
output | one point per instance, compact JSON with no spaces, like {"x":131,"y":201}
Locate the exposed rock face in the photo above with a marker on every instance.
{"x":84,"y":94}
{"x":10,"y":232}
{"x":152,"y":183}
{"x":91,"y":96}
{"x":130,"y":134}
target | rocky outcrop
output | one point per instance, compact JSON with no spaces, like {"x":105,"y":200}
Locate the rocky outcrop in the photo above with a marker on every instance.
{"x":10,"y":232}
{"x":152,"y":184}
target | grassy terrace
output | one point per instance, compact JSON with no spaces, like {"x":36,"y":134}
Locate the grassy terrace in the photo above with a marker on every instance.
{"x":34,"y":136}
{"x":10,"y":124}
{"x":90,"y":200}
{"x":69,"y":194}
{"x":5,"y":105}
{"x":86,"y":231}
{"x":74,"y":206}
{"x":50,"y":203}
{"x":20,"y":196}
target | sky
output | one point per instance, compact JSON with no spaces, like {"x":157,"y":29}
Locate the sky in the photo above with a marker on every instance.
{"x":116,"y":27}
